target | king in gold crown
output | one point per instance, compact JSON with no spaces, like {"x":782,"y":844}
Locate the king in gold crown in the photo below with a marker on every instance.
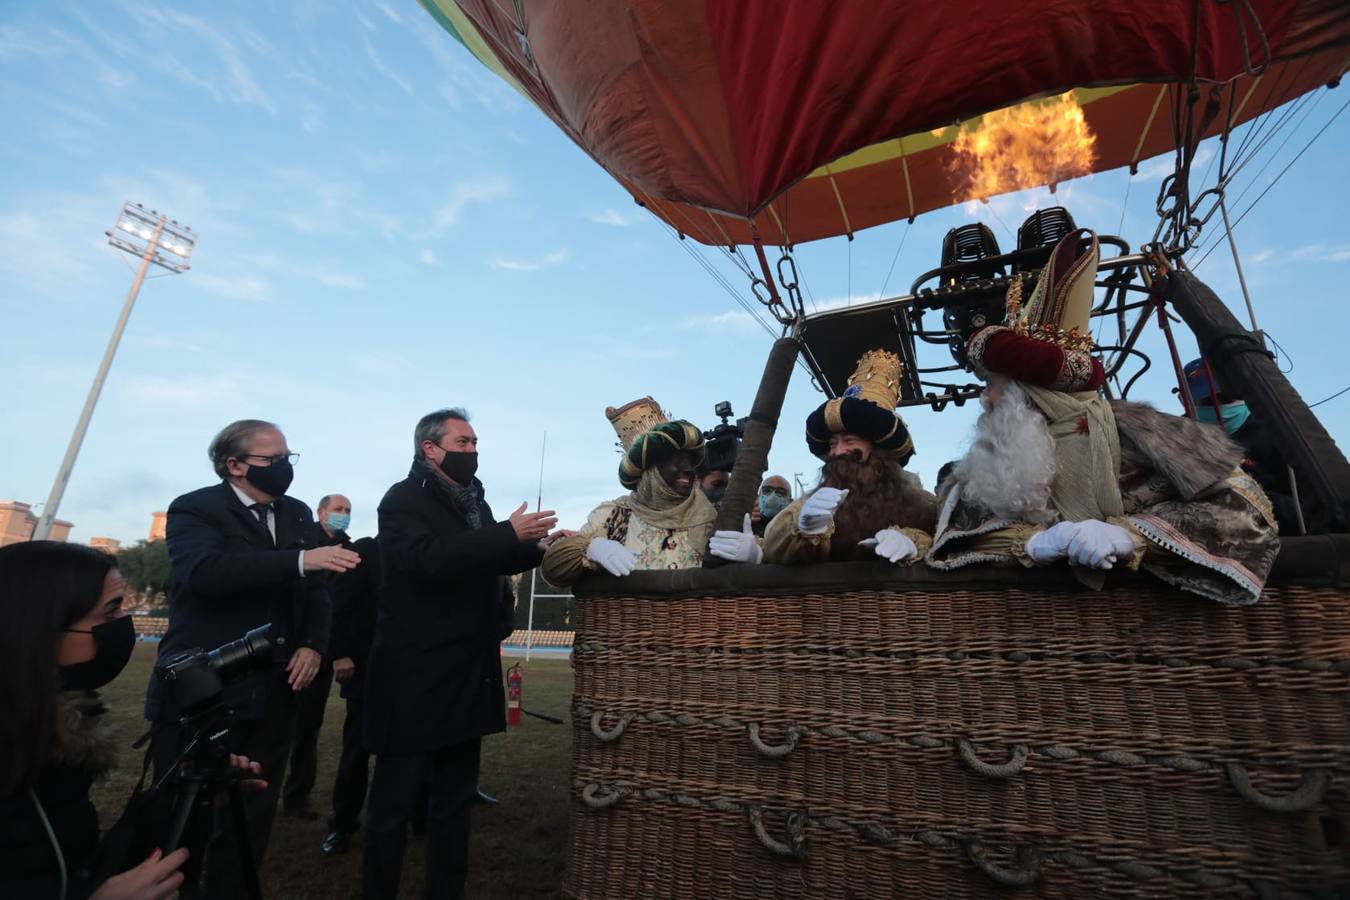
{"x":866,"y":408}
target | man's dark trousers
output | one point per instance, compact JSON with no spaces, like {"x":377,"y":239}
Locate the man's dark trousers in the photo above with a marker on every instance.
{"x":349,"y":788}
{"x":264,"y":741}
{"x":448,"y":780}
{"x":313,"y":700}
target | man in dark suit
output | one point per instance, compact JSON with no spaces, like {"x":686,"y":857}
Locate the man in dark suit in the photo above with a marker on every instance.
{"x":355,"y":595}
{"x":434,"y":685}
{"x":242,"y":555}
{"x":334,"y":514}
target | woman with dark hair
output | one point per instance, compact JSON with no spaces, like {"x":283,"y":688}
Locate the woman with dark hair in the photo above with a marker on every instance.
{"x":65,"y":635}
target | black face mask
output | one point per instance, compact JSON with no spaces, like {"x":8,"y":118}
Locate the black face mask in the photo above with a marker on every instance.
{"x":460,"y":467}
{"x":272,"y":480}
{"x":113,"y":643}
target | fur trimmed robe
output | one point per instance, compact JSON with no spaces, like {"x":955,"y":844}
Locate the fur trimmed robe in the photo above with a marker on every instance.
{"x":1198,"y":521}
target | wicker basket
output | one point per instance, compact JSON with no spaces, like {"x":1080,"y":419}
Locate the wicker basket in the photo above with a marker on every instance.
{"x":865,"y":731}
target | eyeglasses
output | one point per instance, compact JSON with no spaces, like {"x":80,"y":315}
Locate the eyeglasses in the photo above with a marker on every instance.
{"x":291,"y":458}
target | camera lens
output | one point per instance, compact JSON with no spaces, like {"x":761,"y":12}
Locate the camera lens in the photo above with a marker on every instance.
{"x":236,"y":657}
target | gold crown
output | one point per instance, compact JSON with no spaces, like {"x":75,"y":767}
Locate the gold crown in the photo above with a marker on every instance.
{"x":877,"y":379}
{"x":632,"y":420}
{"x":1060,"y":307}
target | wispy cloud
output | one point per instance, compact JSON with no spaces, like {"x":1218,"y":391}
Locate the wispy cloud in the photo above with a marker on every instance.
{"x":189,"y":391}
{"x":385,"y":70}
{"x":428,"y":257}
{"x":239,"y":84}
{"x":529,"y":265}
{"x":52,"y":45}
{"x":1321,"y":253}
{"x":166,"y":344}
{"x":390,"y":12}
{"x":341,"y":280}
{"x":236,"y":287}
{"x":1164,"y":165}
{"x":841,"y":302}
{"x":466,"y":192}
{"x":612,"y":217}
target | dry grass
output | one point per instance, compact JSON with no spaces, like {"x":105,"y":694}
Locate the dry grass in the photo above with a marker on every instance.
{"x":517,"y":846}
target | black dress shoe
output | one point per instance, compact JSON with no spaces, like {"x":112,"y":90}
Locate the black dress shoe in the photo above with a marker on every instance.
{"x":334,"y":842}
{"x":486,"y":799}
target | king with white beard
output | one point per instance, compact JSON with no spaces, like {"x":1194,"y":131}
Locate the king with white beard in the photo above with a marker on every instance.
{"x":1057,"y":473}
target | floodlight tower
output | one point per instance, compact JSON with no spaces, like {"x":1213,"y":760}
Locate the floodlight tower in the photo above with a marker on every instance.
{"x":157,"y":239}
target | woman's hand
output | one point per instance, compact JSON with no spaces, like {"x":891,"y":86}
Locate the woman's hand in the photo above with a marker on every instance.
{"x":253,"y":768}
{"x":157,"y":878}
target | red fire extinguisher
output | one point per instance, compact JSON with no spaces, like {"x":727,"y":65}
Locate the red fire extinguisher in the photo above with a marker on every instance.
{"x":513,"y":683}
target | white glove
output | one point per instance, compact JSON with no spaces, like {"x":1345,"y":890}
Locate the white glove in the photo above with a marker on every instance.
{"x":891,"y":545}
{"x":818,"y":510}
{"x":1052,"y":544}
{"x":1091,"y":543}
{"x":613,"y":557}
{"x":737,"y":546}
{"x":1099,"y":544}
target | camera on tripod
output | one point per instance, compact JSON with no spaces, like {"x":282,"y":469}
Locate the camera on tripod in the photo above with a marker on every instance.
{"x":195,"y":679}
{"x":723,"y":440}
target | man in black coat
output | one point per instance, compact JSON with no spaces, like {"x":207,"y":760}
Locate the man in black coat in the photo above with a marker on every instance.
{"x":334,"y":514}
{"x":434,"y":685}
{"x":242,"y":555}
{"x":355,"y":596}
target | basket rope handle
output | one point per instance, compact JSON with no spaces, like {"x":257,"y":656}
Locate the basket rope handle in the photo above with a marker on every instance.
{"x":793,"y":734}
{"x":1307,"y":795}
{"x":1026,"y":872}
{"x":1017,"y":759}
{"x":593,"y":797}
{"x":612,"y":734}
{"x":794,"y":847}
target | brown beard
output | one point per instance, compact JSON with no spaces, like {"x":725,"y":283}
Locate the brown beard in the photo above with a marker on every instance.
{"x":880,"y":496}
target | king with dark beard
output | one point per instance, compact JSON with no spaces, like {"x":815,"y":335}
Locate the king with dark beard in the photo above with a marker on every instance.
{"x":1057,"y":473}
{"x":866,"y":505}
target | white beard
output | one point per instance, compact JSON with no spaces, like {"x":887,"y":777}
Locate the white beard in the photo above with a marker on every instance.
{"x":1010,"y":465}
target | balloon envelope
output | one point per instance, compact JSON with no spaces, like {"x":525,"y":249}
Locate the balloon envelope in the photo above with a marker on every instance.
{"x":804,"y":119}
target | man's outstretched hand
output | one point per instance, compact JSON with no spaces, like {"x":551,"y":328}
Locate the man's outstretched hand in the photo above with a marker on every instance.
{"x":532,"y":526}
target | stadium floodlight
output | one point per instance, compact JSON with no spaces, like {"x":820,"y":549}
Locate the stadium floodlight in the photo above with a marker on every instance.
{"x":154,"y":238}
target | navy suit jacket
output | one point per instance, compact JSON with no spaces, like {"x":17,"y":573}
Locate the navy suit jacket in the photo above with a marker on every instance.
{"x":228,"y":578}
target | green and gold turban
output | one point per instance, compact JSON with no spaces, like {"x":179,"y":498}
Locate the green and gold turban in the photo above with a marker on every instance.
{"x":648,"y":438}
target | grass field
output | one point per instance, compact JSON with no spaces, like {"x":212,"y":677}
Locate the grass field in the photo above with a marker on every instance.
{"x":518,"y":845}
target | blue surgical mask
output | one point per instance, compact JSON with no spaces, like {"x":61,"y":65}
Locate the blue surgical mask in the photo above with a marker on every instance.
{"x":771,"y":505}
{"x":1234,"y":415}
{"x":338,"y":521}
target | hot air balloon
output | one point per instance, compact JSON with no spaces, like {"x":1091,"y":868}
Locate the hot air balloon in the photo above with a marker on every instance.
{"x":848,"y":730}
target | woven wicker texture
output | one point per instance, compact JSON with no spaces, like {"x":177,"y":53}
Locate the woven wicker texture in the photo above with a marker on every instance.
{"x":1137,"y":742}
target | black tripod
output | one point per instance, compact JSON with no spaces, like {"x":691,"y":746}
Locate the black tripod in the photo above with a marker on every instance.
{"x":198,"y":776}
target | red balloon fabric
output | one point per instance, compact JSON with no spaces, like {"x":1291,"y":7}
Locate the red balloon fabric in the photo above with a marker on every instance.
{"x":800,"y":119}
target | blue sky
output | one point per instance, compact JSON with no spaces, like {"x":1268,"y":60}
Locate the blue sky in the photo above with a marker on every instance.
{"x":385,"y":229}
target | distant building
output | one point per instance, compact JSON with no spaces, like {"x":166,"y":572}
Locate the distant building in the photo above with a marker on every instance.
{"x":157,"y":526}
{"x":111,"y":545}
{"x":17,"y":523}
